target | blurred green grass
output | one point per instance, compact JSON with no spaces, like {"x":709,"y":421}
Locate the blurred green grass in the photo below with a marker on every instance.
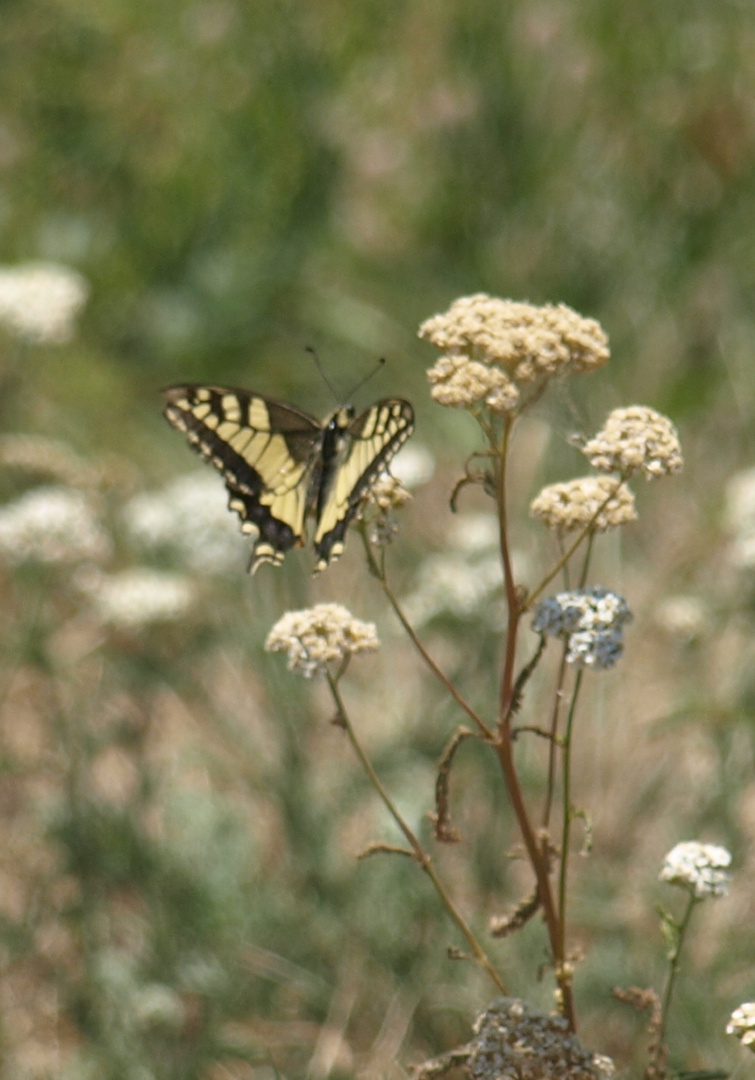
{"x":237,"y":182}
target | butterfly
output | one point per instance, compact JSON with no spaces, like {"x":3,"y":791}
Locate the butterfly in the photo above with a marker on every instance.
{"x":281,"y":466}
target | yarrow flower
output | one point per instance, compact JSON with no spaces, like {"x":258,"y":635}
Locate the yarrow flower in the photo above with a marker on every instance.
{"x":493,"y":348}
{"x":636,"y":439}
{"x":699,"y":868}
{"x":135,"y":598}
{"x":190,"y":518}
{"x":465,"y":384}
{"x":598,"y":501}
{"x":38,"y":454}
{"x":52,"y":525}
{"x":318,"y":636}
{"x":386,"y":495}
{"x":742,"y":1025}
{"x":39,"y":302}
{"x":591,"y":621}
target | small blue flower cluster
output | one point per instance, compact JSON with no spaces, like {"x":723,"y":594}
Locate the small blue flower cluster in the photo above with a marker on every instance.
{"x":592,"y":622}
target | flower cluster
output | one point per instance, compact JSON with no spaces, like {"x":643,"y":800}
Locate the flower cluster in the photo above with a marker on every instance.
{"x":190,"y":518}
{"x":52,"y":525}
{"x":514,"y":1041}
{"x":386,"y":495}
{"x":135,"y":598}
{"x":636,"y":439}
{"x":591,"y":621}
{"x":39,"y":302}
{"x":318,"y":636}
{"x":492,"y":348}
{"x":699,"y":868}
{"x":596,"y":501}
{"x":742,"y":1024}
{"x":38,"y":454}
{"x":739,"y":518}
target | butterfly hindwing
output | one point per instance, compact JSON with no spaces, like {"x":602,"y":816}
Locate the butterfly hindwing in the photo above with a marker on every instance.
{"x":280,"y":465}
{"x":369,"y":442}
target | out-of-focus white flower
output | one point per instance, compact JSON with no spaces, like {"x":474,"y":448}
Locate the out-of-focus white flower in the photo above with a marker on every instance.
{"x":38,"y":454}
{"x":318,"y":636}
{"x":413,"y":465}
{"x":52,"y":525}
{"x":701,"y":869}
{"x":39,"y":302}
{"x":191,"y":518}
{"x":682,"y":617}
{"x":739,"y":518}
{"x":134,"y":598}
{"x":742,"y":1024}
{"x":464,"y":581}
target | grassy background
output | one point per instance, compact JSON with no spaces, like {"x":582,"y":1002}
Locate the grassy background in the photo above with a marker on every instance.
{"x":179,"y":892}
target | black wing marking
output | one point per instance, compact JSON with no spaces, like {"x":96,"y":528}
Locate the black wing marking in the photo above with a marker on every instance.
{"x":370,"y":441}
{"x":265,"y":451}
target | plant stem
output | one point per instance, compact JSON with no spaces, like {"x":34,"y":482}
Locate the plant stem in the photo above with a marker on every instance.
{"x":673,"y":971}
{"x":538,"y":846}
{"x":379,"y":572}
{"x":567,"y":812}
{"x":419,"y":852}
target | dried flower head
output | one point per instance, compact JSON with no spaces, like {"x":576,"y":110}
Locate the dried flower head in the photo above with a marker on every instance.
{"x":318,"y":636}
{"x":591,"y":621}
{"x":526,"y":342}
{"x":598,"y":501}
{"x":636,"y":439}
{"x":742,"y":1025}
{"x":137,"y":597}
{"x":39,"y":302}
{"x":385,"y":495}
{"x":52,"y":525}
{"x":699,"y":868}
{"x":515,"y":1042}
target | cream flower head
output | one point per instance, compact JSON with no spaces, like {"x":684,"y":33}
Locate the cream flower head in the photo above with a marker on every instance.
{"x":495,"y":347}
{"x":598,"y":501}
{"x":319,"y":636}
{"x":636,"y":439}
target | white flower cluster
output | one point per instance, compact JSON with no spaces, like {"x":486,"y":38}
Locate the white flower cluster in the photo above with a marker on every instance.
{"x":137,"y":597}
{"x":702,"y":869}
{"x":190,"y":518}
{"x":52,"y":525}
{"x":39,"y":302}
{"x":636,"y":439}
{"x":590,"y":620}
{"x":742,"y":1024}
{"x":319,"y":636}
{"x":462,"y":582}
{"x":739,"y":518}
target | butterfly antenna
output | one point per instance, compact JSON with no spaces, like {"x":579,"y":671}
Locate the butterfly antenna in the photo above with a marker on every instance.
{"x":311,"y":349}
{"x":368,"y":376}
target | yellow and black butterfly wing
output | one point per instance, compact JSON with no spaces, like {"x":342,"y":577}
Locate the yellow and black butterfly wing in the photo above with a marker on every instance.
{"x":266,"y":452}
{"x":366,"y":446}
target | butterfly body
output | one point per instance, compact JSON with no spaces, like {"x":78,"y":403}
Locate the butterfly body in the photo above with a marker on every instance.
{"x":281,"y":466}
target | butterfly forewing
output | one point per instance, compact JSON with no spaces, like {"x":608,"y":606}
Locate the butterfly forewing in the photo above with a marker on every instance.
{"x":369,"y":443}
{"x":279,"y":464}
